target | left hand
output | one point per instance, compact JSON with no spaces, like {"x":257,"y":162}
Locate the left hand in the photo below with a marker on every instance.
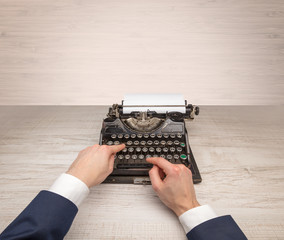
{"x":94,"y":163}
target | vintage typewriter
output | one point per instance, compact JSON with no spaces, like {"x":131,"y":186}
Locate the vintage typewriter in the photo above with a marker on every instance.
{"x":150,"y":125}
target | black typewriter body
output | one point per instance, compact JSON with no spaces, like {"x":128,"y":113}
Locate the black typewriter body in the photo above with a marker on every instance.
{"x":147,"y":134}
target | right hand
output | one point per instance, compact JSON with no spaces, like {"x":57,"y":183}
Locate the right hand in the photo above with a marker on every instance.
{"x":173,"y":185}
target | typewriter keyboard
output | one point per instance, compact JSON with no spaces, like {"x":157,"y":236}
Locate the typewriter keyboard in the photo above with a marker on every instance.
{"x":172,"y":147}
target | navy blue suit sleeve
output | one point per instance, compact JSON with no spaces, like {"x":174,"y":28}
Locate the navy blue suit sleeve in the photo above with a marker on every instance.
{"x":48,"y":217}
{"x":220,"y":228}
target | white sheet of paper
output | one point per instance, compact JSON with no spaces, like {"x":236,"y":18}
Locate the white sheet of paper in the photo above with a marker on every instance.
{"x":154,"y":99}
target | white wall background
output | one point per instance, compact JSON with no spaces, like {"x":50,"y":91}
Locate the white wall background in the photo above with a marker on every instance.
{"x":95,"y":51}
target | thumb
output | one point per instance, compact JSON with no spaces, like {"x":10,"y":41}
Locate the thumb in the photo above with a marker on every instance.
{"x":116,"y":148}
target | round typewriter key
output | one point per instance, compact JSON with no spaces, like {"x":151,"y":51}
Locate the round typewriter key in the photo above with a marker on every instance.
{"x":182,"y":144}
{"x":159,"y":135}
{"x":151,"y":149}
{"x":138,"y":149}
{"x":144,"y":149}
{"x":163,"y":156}
{"x":179,"y":135}
{"x":158,"y":150}
{"x":113,"y":136}
{"x":169,"y":157}
{"x":120,"y":156}
{"x":146,"y":135}
{"x":129,"y":143}
{"x":163,"y":142}
{"x":183,"y":157}
{"x":116,"y":142}
{"x":127,"y":157}
{"x":109,"y":142}
{"x":166,"y":135}
{"x":115,"y":156}
{"x":155,"y":155}
{"x":134,"y":156}
{"x":141,"y":156}
{"x":179,"y":149}
{"x":148,"y":156}
{"x":120,"y":136}
{"x":149,"y":142}
{"x":176,"y":142}
{"x":124,"y":150}
{"x":152,"y":135}
{"x":170,"y":143}
{"x":172,"y":135}
{"x":126,"y":136}
{"x":156,"y":142}
{"x":133,"y":135}
{"x":165,"y":149}
{"x":143,"y":142}
{"x":136,"y":142}
{"x":172,"y":149}
{"x":131,"y":149}
{"x":139,"y":135}
{"x":176,"y":157}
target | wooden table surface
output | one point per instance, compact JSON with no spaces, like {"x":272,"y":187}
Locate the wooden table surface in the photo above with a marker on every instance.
{"x":239,"y":151}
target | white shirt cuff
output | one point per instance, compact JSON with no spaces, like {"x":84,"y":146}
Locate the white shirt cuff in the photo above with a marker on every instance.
{"x":71,"y":188}
{"x":195,"y":216}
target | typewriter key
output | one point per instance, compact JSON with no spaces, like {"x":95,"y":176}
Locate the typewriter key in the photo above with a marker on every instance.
{"x":136,"y":142}
{"x":183,"y":157}
{"x":155,"y":155}
{"x":152,"y":135}
{"x":149,"y":142}
{"x":169,"y":157}
{"x":163,"y":142}
{"x":146,"y":135}
{"x":176,"y":142}
{"x":113,"y":136}
{"x":156,"y":142}
{"x":124,"y":150}
{"x":141,"y":156}
{"x":165,"y":149}
{"x":170,"y":143}
{"x":133,"y":135}
{"x":127,"y":156}
{"x":129,"y":143}
{"x":158,"y":150}
{"x":144,"y":149}
{"x":126,"y":136}
{"x":131,"y":149}
{"x":162,"y":156}
{"x":138,"y":149}
{"x":166,"y":135}
{"x":120,"y":136}
{"x":151,"y":150}
{"x":159,"y":135}
{"x":182,"y":144}
{"x":139,"y":135}
{"x":176,"y":157}
{"x":120,"y":156}
{"x":172,"y":135}
{"x":179,"y":135}
{"x":148,"y":156}
{"x":143,"y":142}
{"x":109,"y":142}
{"x":116,"y":142}
{"x":179,"y":149}
{"x":172,"y":149}
{"x":134,"y":156}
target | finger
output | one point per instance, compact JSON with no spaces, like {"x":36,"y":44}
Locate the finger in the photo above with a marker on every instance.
{"x":155,"y":177}
{"x":161,"y":163}
{"x":116,"y":148}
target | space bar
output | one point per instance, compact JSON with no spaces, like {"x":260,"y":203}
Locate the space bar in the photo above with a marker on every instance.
{"x":128,"y":166}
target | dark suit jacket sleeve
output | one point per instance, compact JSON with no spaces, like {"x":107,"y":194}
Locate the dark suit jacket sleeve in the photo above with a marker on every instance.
{"x":48,"y":216}
{"x":220,"y":228}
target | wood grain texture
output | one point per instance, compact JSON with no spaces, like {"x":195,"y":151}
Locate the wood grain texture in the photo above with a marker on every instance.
{"x":239,"y":151}
{"x":92,"y":52}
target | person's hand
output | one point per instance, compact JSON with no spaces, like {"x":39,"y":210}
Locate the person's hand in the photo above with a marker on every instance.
{"x":94,"y":163}
{"x":173,"y":184}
